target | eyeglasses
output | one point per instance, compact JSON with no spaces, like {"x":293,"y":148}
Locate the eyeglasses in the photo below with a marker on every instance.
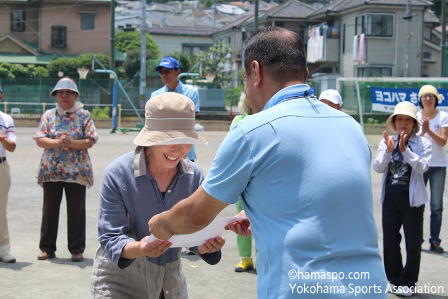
{"x":65,"y":92}
{"x":165,"y":71}
{"x":429,"y":96}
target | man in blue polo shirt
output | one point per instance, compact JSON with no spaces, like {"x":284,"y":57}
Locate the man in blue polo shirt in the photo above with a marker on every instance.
{"x":169,"y":70}
{"x":303,"y":171}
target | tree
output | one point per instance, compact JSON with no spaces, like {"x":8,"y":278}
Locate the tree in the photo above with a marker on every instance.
{"x":30,"y":71}
{"x":216,"y":61}
{"x":186,"y":60}
{"x":69,"y":65}
{"x":129,"y":40}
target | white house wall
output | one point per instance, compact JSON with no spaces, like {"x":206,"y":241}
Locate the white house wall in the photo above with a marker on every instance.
{"x":173,"y":43}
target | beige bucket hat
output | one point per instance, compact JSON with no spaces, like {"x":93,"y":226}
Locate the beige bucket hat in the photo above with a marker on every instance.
{"x":404,"y":108}
{"x":169,"y":119}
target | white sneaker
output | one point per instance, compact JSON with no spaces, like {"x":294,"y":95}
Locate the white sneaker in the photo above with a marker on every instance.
{"x":403,"y":291}
{"x":8,"y":259}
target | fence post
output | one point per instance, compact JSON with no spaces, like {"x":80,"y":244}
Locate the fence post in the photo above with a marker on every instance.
{"x":43,"y":107}
{"x":358,"y":95}
{"x":6,"y":106}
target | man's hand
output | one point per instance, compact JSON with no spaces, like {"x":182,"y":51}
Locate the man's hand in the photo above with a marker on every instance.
{"x":389,"y":142}
{"x":2,"y":137}
{"x":241,"y":227}
{"x":159,"y":228}
{"x":155,"y":248}
{"x":403,"y":141}
{"x":212,"y":245}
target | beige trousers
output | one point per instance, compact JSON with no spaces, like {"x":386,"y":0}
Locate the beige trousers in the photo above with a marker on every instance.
{"x":5,"y":184}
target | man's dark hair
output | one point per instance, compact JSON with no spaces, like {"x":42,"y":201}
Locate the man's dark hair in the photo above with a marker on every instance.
{"x":280,"y":52}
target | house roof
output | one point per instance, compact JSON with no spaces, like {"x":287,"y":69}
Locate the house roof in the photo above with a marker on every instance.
{"x":234,"y":23}
{"x":26,"y":59}
{"x":290,"y":9}
{"x":430,"y":17}
{"x":342,"y":5}
{"x":17,"y":43}
{"x":178,"y":30}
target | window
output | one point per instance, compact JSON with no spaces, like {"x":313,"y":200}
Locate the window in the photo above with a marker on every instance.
{"x":375,"y":72}
{"x":59,"y":37}
{"x":17,"y":20}
{"x":375,"y":25}
{"x":87,"y":21}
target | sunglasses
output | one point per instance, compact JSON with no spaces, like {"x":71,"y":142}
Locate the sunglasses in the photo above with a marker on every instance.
{"x":165,"y":71}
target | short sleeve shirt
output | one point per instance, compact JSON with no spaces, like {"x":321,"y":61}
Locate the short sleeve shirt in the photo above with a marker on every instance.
{"x":303,"y":171}
{"x":438,"y":156}
{"x":7,"y":129}
{"x":66,"y":164}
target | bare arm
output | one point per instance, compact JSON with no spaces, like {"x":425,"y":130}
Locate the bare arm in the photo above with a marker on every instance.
{"x":9,"y":145}
{"x":188,"y":216}
{"x":78,"y":143}
{"x":46,"y":142}
{"x":439,"y":139}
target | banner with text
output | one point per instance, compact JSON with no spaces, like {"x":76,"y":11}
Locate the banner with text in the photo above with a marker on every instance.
{"x":385,"y":98}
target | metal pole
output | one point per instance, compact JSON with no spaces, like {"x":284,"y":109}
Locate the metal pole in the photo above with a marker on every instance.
{"x":143,"y":53}
{"x":112,"y":36}
{"x":444,"y":49}
{"x":256,"y":15}
{"x":115,"y":106}
{"x":358,"y":96}
{"x":408,"y":19}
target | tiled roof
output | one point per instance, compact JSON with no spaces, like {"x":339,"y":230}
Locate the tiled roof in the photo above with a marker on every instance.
{"x":430,"y":17}
{"x":235,"y":23}
{"x":341,"y":5}
{"x":177,"y":30}
{"x":291,"y":9}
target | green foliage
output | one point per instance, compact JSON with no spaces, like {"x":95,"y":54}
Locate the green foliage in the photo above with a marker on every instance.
{"x":130,"y":40}
{"x":186,"y":60}
{"x":233,"y":95}
{"x":14,"y":70}
{"x":69,"y":65}
{"x":98,"y":112}
{"x":214,"y":61}
{"x":131,"y":65}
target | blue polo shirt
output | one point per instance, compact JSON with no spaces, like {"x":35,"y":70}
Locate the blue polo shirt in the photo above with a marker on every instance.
{"x":303,"y":170}
{"x":185,"y":89}
{"x":188,"y":91}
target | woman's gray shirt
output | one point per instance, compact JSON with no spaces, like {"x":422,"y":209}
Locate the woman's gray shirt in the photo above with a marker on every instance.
{"x":129,"y":198}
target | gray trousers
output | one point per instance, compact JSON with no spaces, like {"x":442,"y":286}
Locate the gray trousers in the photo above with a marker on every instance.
{"x":142,"y":279}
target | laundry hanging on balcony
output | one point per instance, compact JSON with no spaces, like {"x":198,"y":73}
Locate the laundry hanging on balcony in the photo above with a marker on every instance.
{"x":316,"y":43}
{"x":359,"y":48}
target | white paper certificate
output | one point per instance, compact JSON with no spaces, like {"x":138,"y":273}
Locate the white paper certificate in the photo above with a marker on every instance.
{"x":213,"y":230}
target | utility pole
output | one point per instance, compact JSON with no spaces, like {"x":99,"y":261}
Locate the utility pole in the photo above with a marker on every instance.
{"x":112,"y":36}
{"x":444,"y":49}
{"x":256,"y":15}
{"x":408,"y":19}
{"x":143,"y":53}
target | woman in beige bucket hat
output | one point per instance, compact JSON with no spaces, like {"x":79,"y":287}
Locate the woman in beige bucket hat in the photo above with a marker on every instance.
{"x":402,"y":159}
{"x":435,"y":129}
{"x":136,"y":187}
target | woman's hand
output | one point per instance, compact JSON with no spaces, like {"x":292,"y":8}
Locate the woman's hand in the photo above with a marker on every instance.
{"x":155,"y":248}
{"x":425,"y":126}
{"x":212,"y":245}
{"x":66,"y":141}
{"x":389,"y":142}
{"x":403,"y":141}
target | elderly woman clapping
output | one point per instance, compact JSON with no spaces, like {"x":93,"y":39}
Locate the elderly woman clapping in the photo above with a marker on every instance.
{"x":138,"y":186}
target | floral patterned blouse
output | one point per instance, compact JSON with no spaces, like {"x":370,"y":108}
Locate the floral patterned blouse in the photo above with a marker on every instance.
{"x":66,"y":164}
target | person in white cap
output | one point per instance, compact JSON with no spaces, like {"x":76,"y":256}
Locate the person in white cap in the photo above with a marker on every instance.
{"x":7,"y":143}
{"x":434,"y":126}
{"x":332,"y":98}
{"x":137,"y":186}
{"x":402,"y":159}
{"x":65,"y":133}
